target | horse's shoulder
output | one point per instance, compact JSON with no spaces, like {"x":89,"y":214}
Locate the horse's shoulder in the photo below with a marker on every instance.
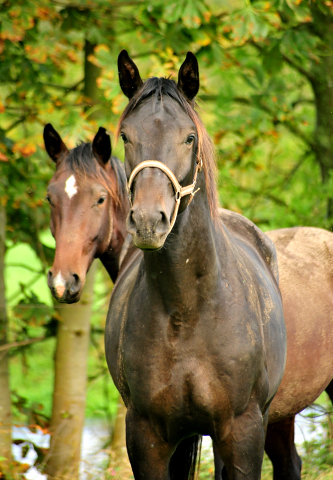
{"x":246,"y":231}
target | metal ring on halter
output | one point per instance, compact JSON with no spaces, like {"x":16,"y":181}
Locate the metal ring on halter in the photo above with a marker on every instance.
{"x":179,"y":191}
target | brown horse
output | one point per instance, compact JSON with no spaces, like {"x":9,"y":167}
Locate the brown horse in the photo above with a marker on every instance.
{"x":305,"y":260}
{"x":195,"y":336}
{"x":89,"y":205}
{"x":305,"y":270}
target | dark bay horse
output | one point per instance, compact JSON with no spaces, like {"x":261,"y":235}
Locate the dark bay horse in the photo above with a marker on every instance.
{"x":305,"y":272}
{"x":89,"y":205}
{"x":195,"y":336}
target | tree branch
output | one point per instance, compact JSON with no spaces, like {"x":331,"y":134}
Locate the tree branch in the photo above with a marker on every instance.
{"x":288,"y":60}
{"x":286,"y":123}
{"x":15,"y":124}
{"x":297,"y":67}
{"x":22,"y":343}
{"x":27,"y":267}
{"x":67,"y":89}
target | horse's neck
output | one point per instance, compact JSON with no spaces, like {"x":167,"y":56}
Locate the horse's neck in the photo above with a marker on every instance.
{"x":187,"y":267}
{"x":111,"y":256}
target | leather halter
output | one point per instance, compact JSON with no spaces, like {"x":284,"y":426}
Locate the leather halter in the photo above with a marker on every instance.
{"x":179,"y":190}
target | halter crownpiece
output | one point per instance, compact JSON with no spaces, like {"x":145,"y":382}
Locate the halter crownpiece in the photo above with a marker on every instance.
{"x":179,"y":190}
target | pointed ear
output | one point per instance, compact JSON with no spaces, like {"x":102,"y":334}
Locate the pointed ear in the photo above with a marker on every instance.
{"x":101,"y":146}
{"x":129,"y":76}
{"x":188,"y":77}
{"x":54,"y":146}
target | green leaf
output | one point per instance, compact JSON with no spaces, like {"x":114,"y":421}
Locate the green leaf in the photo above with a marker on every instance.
{"x":272,"y":60}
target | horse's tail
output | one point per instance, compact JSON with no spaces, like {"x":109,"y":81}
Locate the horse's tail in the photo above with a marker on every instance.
{"x":186,"y":458}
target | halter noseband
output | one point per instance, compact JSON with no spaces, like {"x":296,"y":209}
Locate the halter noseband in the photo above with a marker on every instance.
{"x":179,"y":190}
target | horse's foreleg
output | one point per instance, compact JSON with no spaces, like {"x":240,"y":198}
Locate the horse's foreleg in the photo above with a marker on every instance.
{"x":242,"y":449}
{"x":148,"y":453}
{"x":280,"y":447}
{"x":218,"y":463}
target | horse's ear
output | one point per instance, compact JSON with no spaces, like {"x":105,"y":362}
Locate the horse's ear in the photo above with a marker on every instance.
{"x":55,"y":147}
{"x":188,"y":76}
{"x":102,"y":146}
{"x":129,"y":76}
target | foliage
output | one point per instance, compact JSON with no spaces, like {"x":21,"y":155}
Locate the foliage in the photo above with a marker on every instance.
{"x":262,"y":119}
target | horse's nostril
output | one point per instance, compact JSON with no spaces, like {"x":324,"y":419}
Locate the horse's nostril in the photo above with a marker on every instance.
{"x":164,"y":218}
{"x":76,"y":284}
{"x":131,"y":220}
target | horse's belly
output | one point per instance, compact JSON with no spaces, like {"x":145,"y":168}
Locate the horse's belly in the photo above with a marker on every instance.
{"x":305,"y":267}
{"x":309,"y":366}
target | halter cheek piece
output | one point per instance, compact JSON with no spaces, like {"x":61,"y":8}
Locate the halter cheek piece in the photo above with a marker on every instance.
{"x":179,"y":191}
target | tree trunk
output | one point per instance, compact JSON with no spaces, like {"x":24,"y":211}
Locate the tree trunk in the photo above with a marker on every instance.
{"x":91,"y":91}
{"x":5,"y":401}
{"x":72,"y":348}
{"x":118,"y":458}
{"x":322,"y":85}
{"x":69,"y":395}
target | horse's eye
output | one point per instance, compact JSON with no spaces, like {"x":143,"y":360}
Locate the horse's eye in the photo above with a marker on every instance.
{"x":48,"y":199}
{"x":101,"y":200}
{"x":123,"y":136}
{"x":190,"y":139}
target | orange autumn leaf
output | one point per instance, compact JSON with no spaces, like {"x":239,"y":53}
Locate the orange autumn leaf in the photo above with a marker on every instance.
{"x":100,"y":47}
{"x":25,"y":150}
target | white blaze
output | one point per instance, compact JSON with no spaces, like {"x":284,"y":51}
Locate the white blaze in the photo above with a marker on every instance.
{"x":59,"y":284}
{"x":71,"y":188}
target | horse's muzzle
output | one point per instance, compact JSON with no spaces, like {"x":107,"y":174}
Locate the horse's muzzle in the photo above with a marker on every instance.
{"x":65,"y":289}
{"x":149,"y":229}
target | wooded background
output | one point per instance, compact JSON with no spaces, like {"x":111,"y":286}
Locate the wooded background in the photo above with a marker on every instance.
{"x":266,"y":97}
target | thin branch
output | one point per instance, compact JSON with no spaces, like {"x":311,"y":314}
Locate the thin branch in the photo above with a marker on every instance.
{"x":22,"y":343}
{"x":15,"y":124}
{"x":290,"y":62}
{"x":292,"y":172}
{"x":86,"y":7}
{"x":22,"y":265}
{"x":61,"y":87}
{"x":26,"y":286}
{"x":298,"y":67}
{"x":286,"y":123}
{"x":302,"y":101}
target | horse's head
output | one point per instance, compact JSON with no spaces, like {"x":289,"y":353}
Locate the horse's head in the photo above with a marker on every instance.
{"x":159,"y":124}
{"x":83,"y":198}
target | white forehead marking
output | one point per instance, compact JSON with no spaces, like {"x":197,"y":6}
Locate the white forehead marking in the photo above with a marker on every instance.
{"x":71,"y":188}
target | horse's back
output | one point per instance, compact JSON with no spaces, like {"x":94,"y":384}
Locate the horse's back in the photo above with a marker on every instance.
{"x":305,"y":258}
{"x":247,"y":231}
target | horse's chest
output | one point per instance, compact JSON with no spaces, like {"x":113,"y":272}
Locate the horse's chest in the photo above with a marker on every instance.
{"x":179,"y":392}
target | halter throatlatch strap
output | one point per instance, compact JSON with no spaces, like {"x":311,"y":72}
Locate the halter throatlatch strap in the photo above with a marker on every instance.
{"x":179,"y":191}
